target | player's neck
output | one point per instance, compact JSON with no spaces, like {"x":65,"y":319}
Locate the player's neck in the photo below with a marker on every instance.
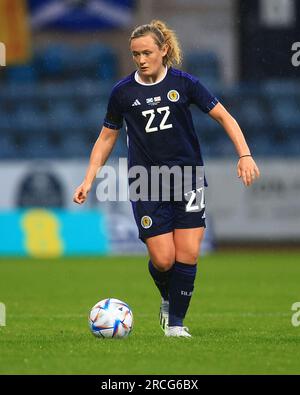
{"x":152,"y":79}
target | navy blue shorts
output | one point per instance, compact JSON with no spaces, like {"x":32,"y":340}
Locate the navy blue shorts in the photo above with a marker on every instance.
{"x":156,"y":218}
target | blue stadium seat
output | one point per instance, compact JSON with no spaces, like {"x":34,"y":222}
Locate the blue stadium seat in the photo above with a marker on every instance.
{"x":28,"y":118}
{"x":260,"y":144}
{"x":54,"y":60}
{"x":245,"y":89}
{"x":75,"y":145}
{"x":205,"y":66}
{"x":8,"y":148}
{"x":94,"y":115}
{"x":252,"y":113}
{"x":100,"y":58}
{"x":63,"y":116}
{"x":72,"y":62}
{"x":209,"y":131}
{"x":18,"y":91}
{"x":294,"y":146}
{"x":6,"y":121}
{"x":22,"y":74}
{"x":201,"y":121}
{"x":286,"y":113}
{"x":62,"y":119}
{"x":281,"y":87}
{"x":38,"y":146}
{"x":53,"y":91}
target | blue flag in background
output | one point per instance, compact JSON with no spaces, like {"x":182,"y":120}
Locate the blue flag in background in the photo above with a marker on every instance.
{"x":80,"y":14}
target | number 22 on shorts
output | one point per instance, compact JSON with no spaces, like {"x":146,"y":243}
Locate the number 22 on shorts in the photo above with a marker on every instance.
{"x":195,"y":199}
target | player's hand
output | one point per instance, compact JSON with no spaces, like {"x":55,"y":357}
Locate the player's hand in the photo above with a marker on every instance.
{"x":247,"y":170}
{"x":81,"y":193}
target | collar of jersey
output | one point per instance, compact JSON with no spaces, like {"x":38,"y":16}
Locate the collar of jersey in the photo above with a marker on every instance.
{"x":153,"y":83}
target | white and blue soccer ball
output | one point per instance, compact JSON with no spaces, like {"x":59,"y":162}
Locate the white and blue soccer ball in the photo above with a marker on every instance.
{"x":111,"y":318}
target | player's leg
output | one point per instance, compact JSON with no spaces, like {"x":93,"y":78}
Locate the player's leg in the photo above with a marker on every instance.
{"x":189,"y":224}
{"x":187,"y":245}
{"x":161,"y":250}
{"x":155,"y":224}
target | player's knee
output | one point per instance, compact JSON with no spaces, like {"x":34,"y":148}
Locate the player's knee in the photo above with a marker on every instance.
{"x":190,"y":256}
{"x":164,"y":263}
{"x":193,"y":257}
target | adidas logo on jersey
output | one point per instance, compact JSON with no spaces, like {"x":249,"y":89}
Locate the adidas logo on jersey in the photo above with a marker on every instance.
{"x":136,"y":103}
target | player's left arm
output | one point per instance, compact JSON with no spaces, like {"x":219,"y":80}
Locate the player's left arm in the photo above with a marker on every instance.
{"x":246,"y":167}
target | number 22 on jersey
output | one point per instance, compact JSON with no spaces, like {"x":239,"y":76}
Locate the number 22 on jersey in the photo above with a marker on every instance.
{"x":165,"y":111}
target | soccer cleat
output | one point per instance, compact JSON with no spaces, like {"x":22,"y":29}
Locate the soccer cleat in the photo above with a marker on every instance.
{"x":164,"y":314}
{"x":177,"y":331}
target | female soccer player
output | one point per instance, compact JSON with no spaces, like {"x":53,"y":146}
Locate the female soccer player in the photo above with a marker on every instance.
{"x":154,"y":101}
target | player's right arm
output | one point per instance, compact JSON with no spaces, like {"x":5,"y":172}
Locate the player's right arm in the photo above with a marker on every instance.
{"x":99,"y":155}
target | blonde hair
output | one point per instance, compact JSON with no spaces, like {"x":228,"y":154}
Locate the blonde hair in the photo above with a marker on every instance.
{"x":162,"y":35}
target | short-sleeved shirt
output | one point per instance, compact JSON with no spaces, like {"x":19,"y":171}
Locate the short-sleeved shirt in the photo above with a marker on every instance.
{"x":160,"y":129}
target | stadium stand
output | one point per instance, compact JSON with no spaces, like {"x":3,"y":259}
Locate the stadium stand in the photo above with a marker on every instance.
{"x":54,"y":107}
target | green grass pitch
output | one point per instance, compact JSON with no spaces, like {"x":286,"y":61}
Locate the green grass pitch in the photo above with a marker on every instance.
{"x":240,"y":317}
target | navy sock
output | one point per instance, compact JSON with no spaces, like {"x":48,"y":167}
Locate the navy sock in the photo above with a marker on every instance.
{"x":161,"y":280}
{"x":180,"y":291}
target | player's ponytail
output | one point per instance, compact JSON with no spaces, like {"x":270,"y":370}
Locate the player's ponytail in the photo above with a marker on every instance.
{"x":162,"y":35}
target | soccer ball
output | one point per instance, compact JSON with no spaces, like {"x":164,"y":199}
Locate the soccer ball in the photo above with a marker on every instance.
{"x":111,"y":318}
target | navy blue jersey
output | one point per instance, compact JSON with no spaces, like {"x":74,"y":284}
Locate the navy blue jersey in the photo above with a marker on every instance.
{"x":158,"y":119}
